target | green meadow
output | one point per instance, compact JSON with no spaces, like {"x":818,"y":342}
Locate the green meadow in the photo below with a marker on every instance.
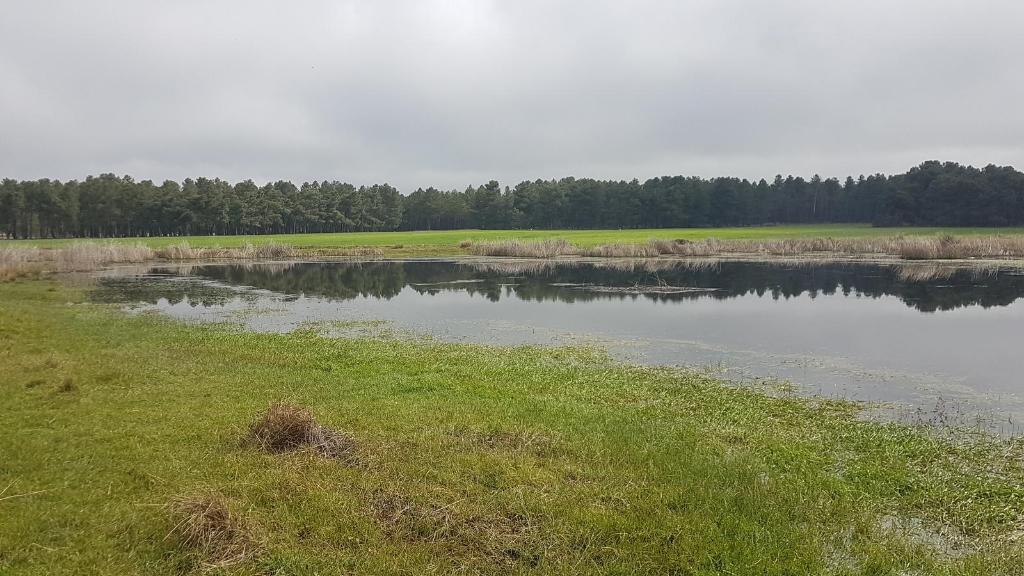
{"x":448,"y":240}
{"x":464,"y":459}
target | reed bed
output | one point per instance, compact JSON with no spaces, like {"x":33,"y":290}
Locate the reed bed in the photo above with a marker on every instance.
{"x":549,"y":248}
{"x":526,"y":249}
{"x":82,"y":256}
{"x":90,"y":255}
{"x":17,"y":262}
{"x":622,"y":250}
{"x":184,"y":251}
{"x":944,"y":247}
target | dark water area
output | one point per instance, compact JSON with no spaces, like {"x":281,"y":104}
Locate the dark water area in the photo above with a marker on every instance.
{"x":939,"y":342}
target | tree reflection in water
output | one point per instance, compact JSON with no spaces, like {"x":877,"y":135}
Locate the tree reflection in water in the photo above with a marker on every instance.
{"x":927,"y":287}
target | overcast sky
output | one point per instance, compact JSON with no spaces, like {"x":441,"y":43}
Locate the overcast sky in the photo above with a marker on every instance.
{"x":450,"y":93}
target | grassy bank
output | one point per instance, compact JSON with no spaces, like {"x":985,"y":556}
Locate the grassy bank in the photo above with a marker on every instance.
{"x":33,"y":257}
{"x":127,"y":449}
{"x":448,"y":240}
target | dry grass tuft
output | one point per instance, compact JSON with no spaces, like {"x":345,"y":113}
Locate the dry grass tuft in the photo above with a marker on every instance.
{"x":67,"y":385}
{"x":287,"y":428}
{"x":465,"y":244}
{"x":206,"y":525}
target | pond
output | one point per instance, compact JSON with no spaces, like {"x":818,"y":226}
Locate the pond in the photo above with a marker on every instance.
{"x":936,"y":342}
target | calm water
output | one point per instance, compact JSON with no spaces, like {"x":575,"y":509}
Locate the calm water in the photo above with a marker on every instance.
{"x":937,"y":342}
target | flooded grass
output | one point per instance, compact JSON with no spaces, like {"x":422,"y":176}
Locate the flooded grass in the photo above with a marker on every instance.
{"x":481,"y":460}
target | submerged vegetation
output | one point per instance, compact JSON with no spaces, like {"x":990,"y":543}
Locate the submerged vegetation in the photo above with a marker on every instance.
{"x":531,"y":460}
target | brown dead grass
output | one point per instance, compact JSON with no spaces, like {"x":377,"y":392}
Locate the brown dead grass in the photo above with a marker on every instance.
{"x":518,"y":248}
{"x":184,"y":251}
{"x":206,"y":525}
{"x":621,"y":250}
{"x":287,"y":428}
{"x":503,"y":538}
{"x":20,"y":263}
{"x":16,"y":262}
{"x":945,"y":246}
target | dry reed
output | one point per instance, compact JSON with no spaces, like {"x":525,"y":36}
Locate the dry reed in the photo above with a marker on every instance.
{"x":83,"y":256}
{"x":518,"y":248}
{"x":18,"y":262}
{"x":907,"y":247}
{"x":184,"y":251}
{"x":622,"y":250}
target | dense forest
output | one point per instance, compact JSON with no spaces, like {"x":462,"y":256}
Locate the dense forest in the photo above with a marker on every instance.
{"x":934,"y":193}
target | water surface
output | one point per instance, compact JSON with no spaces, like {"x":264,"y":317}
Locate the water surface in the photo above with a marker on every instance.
{"x":938,"y":341}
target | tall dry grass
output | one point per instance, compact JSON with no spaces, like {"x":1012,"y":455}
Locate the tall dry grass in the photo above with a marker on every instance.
{"x":622,"y":250}
{"x":18,"y":262}
{"x":82,"y":256}
{"x":944,"y":247}
{"x":91,"y":255}
{"x":526,"y":249}
{"x":184,"y":251}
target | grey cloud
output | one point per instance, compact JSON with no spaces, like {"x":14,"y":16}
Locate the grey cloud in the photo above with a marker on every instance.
{"x":459,"y":92}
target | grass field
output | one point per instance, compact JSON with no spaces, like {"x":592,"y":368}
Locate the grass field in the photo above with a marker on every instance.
{"x":467,"y":460}
{"x":448,"y":240}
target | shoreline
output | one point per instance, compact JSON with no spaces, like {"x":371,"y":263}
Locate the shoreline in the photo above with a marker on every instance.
{"x":529,"y":449}
{"x":17,"y":261}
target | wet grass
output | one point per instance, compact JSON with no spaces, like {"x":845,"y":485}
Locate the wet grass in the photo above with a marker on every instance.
{"x":472,"y":460}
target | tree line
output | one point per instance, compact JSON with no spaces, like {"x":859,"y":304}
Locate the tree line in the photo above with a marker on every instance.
{"x":933,"y":194}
